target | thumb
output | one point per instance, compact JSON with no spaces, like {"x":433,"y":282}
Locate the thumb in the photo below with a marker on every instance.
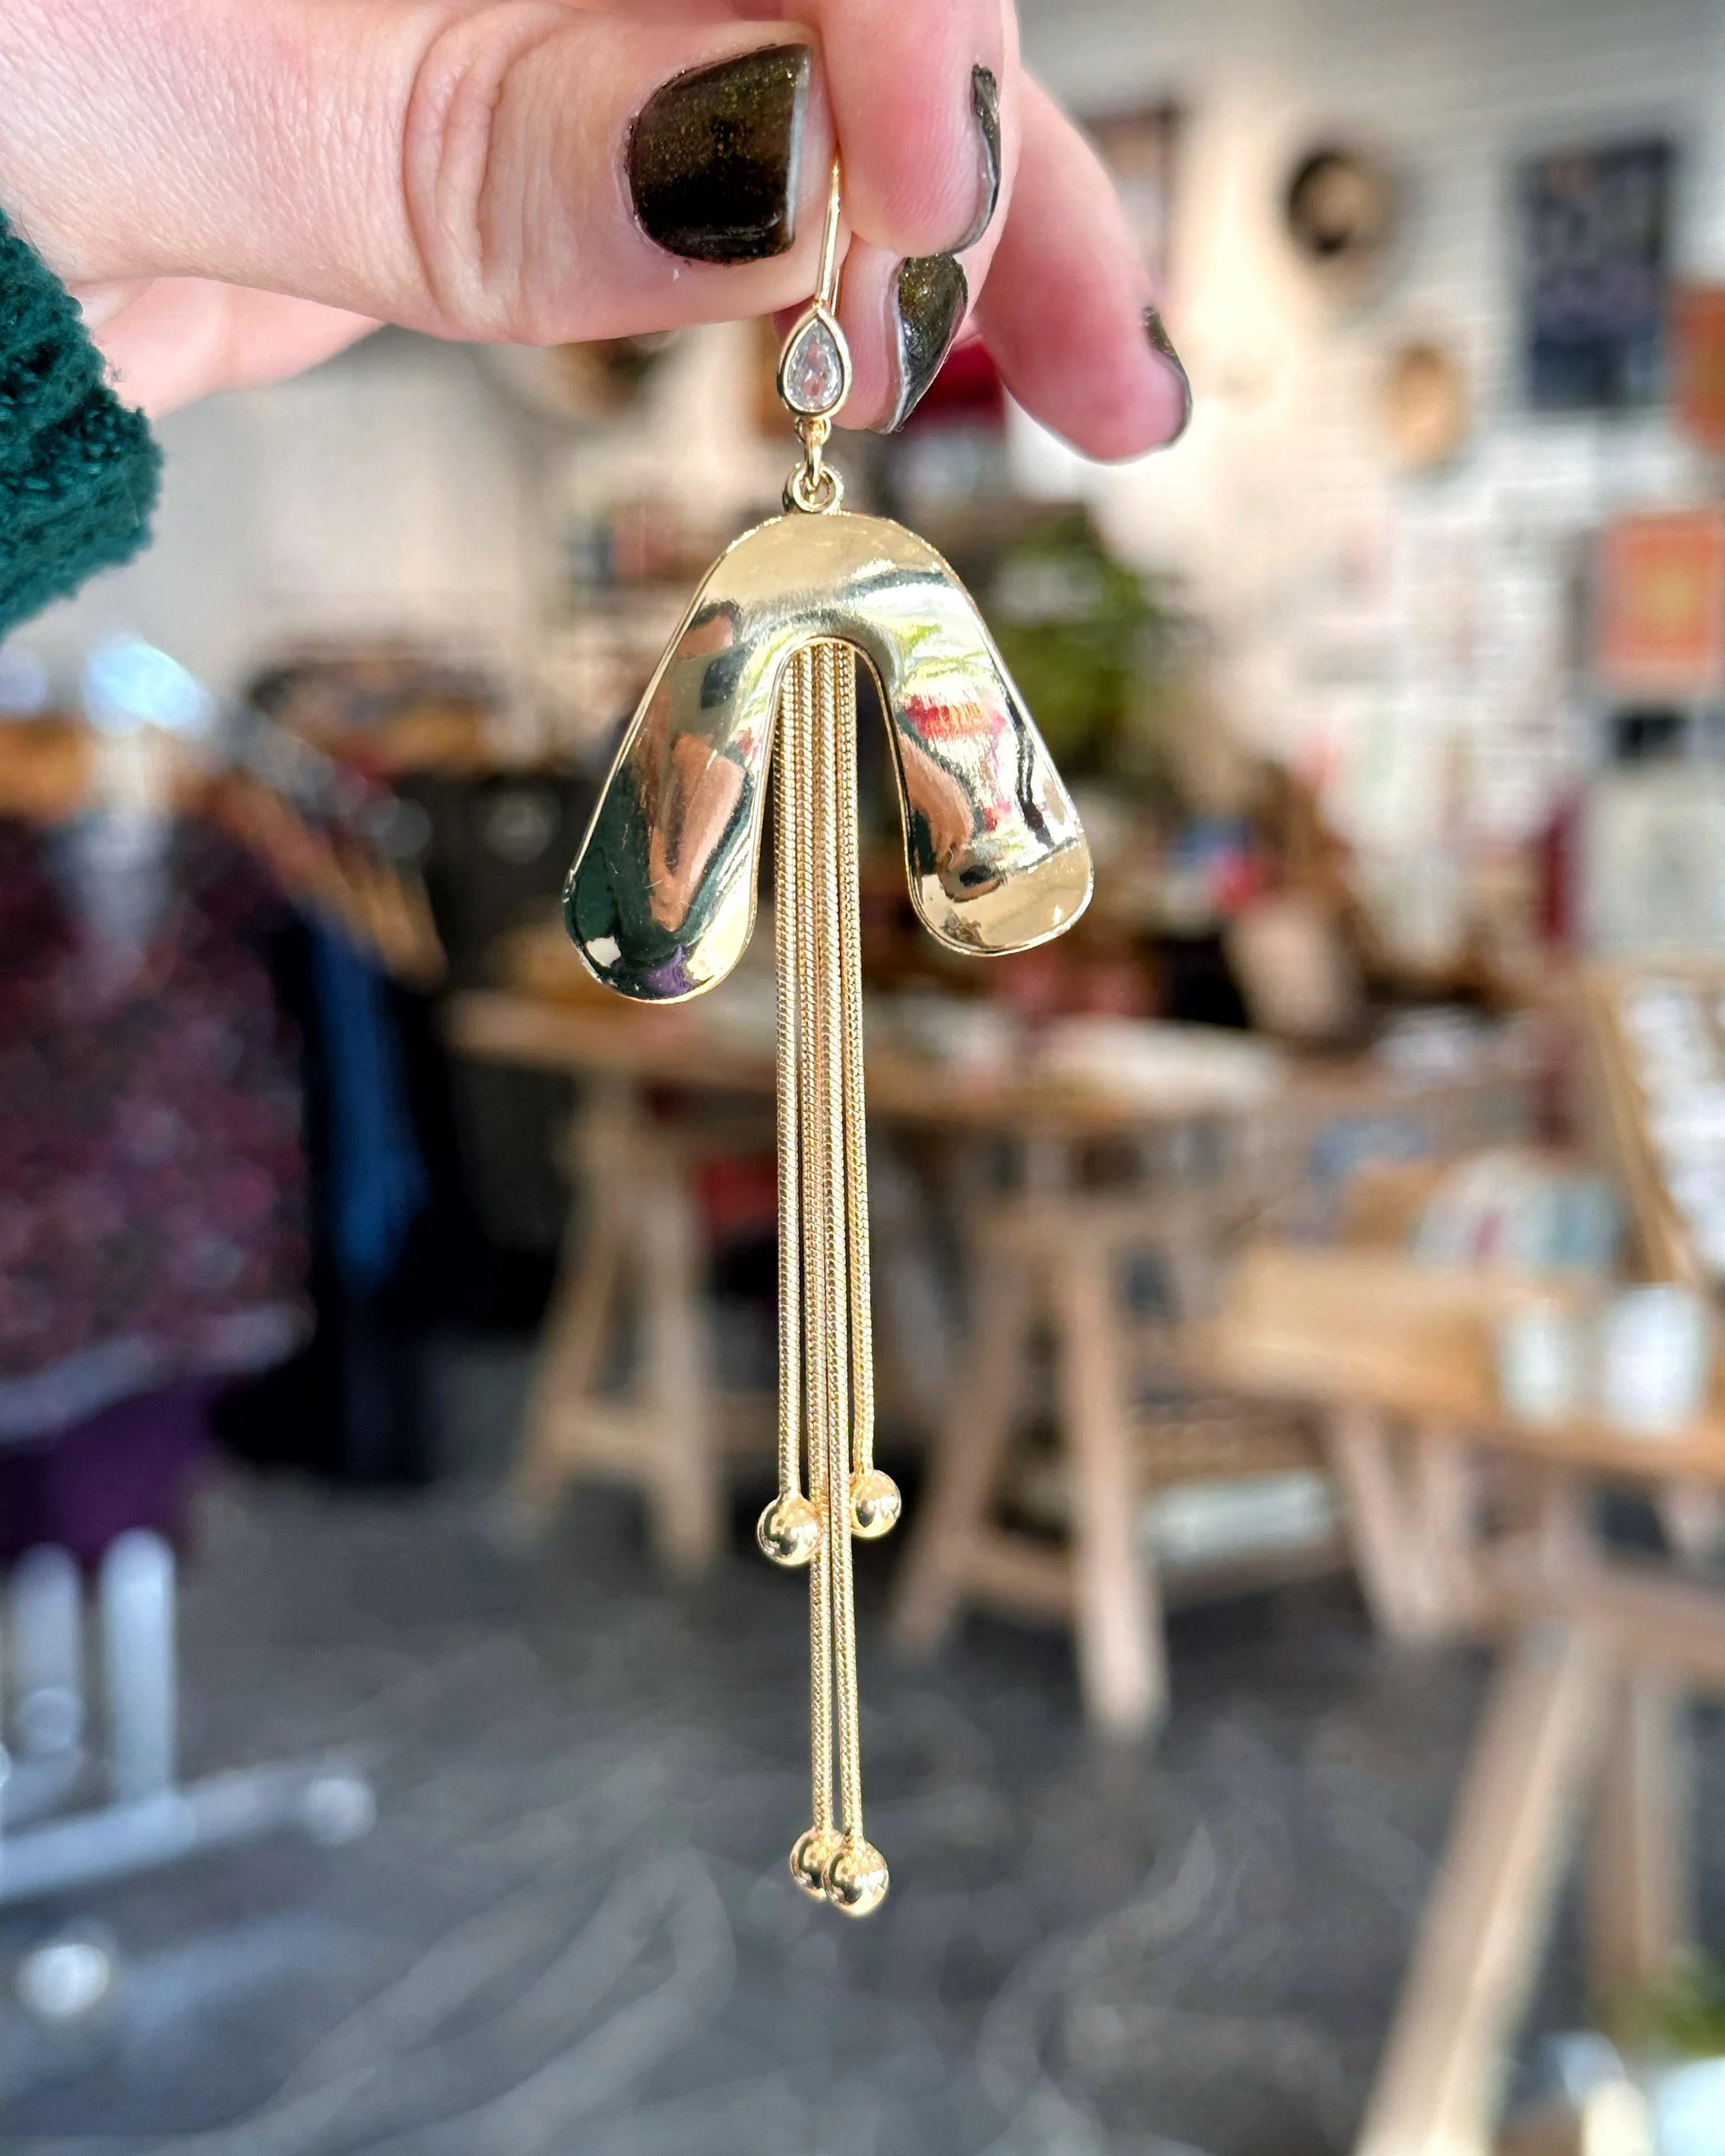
{"x":522,"y":170}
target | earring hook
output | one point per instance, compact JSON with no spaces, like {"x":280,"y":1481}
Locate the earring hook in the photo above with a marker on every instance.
{"x":814,"y":370}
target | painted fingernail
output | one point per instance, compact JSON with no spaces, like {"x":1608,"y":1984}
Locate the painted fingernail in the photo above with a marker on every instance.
{"x":930,"y":294}
{"x":985,"y":104}
{"x":1157,"y":331}
{"x":713,"y":157}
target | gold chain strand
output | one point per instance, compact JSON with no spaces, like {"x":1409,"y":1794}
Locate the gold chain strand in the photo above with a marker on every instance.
{"x":789,"y":759}
{"x":827,"y":1226}
{"x":875,"y":1499}
{"x":857,"y":1878}
{"x":826,"y":1376}
{"x":789,"y":1528}
{"x":814,"y":1171}
{"x":815,"y":1849}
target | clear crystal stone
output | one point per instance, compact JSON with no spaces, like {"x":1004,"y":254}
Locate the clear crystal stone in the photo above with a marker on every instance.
{"x":813,"y":372}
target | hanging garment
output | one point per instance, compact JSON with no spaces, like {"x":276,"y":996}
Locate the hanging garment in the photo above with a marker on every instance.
{"x":151,"y":1174}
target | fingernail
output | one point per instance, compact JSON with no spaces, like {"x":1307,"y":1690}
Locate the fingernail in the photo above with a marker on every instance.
{"x":1157,"y":331}
{"x":713,"y":157}
{"x":930,"y":294}
{"x":985,"y":104}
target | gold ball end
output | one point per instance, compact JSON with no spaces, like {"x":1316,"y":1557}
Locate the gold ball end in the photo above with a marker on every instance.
{"x":811,"y":1853}
{"x":875,"y":1504}
{"x":788,"y":1531}
{"x":857,"y":1878}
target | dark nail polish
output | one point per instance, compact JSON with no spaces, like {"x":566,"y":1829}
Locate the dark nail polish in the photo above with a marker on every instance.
{"x":930,"y":294}
{"x":985,"y":104}
{"x":1156,"y":330}
{"x":713,"y":157}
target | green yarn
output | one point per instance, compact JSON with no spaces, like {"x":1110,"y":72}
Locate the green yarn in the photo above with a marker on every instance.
{"x":78,"y":472}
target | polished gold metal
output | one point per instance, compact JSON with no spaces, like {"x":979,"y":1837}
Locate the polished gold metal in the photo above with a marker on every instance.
{"x":857,"y":1879}
{"x":661,"y":901}
{"x":788,"y":1532}
{"x":875,"y":1504}
{"x":810,"y":1856}
{"x":660,"y":904}
{"x":823,"y":1232}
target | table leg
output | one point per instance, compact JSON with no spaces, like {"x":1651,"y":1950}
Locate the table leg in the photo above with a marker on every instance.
{"x":1693,"y":1517}
{"x":1383,"y":1527}
{"x":1538,"y":1747}
{"x":680,"y":1464}
{"x":1638,"y":1900}
{"x":1123,"y":1664}
{"x":1564,"y":1543}
{"x":576,"y":1324}
{"x":1444,"y":1495}
{"x":966,"y":1455}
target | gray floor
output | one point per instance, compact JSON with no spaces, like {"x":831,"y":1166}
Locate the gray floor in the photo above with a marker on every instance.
{"x":572,"y":1933}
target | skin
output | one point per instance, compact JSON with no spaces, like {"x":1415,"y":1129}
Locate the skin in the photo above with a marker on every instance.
{"x":237,"y":188}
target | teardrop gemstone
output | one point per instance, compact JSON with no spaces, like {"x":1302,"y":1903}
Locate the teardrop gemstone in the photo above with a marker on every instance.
{"x":814,"y":371}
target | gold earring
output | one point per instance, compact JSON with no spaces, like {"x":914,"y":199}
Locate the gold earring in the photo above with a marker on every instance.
{"x":661,"y":905}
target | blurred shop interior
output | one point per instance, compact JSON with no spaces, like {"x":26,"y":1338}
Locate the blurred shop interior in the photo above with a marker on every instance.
{"x":1290,"y":1695}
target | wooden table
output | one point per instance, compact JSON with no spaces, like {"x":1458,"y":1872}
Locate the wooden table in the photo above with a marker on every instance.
{"x":1599,"y":1653}
{"x":1044,"y":1256}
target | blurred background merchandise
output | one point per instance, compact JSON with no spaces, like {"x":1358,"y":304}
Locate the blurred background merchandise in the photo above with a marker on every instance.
{"x":1296,"y":1289}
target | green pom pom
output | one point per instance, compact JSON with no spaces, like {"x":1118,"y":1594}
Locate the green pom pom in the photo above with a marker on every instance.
{"x":79,"y":473}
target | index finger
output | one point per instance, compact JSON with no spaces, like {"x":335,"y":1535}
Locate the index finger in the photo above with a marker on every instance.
{"x":917,"y":89}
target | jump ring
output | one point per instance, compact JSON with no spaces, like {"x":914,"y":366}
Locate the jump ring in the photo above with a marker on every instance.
{"x":817,"y":495}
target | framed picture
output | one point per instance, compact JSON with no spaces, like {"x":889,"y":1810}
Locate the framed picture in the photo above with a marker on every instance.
{"x":1660,"y":603}
{"x":1595,"y":228}
{"x":1140,"y":148}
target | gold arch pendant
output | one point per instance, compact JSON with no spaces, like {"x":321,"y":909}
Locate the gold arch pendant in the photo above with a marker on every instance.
{"x":660,"y":904}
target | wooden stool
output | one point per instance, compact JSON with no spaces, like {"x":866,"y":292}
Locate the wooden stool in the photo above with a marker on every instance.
{"x":1053,"y":1263}
{"x":635,"y":1236}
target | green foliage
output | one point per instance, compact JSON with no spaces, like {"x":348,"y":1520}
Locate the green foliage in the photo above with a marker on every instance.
{"x":1684,"y":2016}
{"x":1089,"y":642}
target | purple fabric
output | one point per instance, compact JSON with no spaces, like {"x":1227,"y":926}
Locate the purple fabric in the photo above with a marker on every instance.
{"x":136,"y":1464}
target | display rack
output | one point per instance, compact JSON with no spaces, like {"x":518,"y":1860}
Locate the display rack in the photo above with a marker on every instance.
{"x":1669,"y":1237}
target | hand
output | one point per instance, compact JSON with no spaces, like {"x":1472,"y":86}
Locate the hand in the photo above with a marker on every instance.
{"x":237,"y":188}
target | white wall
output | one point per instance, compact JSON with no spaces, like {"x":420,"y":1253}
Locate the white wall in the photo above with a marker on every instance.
{"x":389,"y":490}
{"x":1366,"y":619}
{"x":399,"y":491}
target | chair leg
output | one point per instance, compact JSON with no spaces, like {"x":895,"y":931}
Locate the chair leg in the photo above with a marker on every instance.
{"x":1121,"y":1658}
{"x":965,"y":1457}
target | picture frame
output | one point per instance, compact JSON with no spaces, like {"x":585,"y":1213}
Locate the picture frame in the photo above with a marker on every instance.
{"x":1596,"y":224}
{"x":1659,"y":604}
